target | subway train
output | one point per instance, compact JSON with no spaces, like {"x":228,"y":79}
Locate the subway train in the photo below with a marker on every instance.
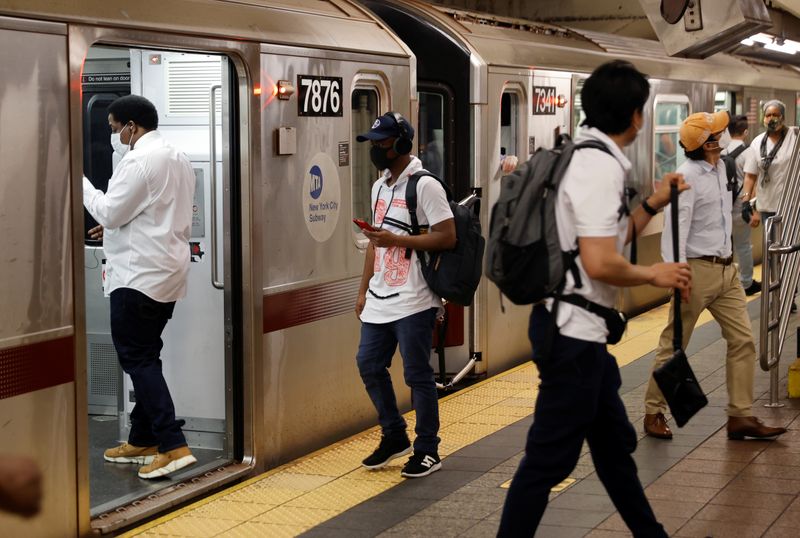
{"x":266,"y":97}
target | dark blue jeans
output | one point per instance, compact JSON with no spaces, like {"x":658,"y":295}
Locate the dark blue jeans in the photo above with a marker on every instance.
{"x":137,"y":322}
{"x":414,"y":333}
{"x":578,"y":399}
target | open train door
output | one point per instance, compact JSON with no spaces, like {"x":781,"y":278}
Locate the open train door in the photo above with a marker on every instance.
{"x":196,"y":95}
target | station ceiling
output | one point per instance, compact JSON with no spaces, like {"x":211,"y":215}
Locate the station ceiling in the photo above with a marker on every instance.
{"x":627,"y":18}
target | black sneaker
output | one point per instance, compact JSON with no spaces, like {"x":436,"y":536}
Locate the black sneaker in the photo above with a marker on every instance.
{"x":421,"y":464}
{"x":388,"y":450}
{"x":753,"y":288}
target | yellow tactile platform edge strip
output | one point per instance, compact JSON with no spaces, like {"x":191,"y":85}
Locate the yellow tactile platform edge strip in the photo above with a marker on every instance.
{"x":304,"y":493}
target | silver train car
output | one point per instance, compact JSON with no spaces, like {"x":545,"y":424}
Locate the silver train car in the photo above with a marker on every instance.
{"x":266,"y":97}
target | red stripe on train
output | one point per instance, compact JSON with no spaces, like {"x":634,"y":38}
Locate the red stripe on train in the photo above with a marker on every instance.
{"x":36,"y":366}
{"x":296,"y":307}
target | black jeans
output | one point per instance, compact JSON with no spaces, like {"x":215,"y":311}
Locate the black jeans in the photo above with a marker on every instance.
{"x":578,"y":399}
{"x":137,"y":322}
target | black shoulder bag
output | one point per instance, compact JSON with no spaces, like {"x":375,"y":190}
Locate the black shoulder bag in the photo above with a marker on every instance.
{"x":675,"y":377}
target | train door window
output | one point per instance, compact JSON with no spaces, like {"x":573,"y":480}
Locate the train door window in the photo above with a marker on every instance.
{"x":365,"y":108}
{"x":431,"y":138}
{"x":509,"y":123}
{"x":197,"y":358}
{"x":724,"y":100}
{"x":670,"y":111}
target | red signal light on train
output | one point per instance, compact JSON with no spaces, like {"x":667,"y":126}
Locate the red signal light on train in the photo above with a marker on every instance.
{"x":561,"y":101}
{"x":256,"y":90}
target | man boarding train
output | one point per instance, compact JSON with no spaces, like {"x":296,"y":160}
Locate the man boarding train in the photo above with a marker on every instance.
{"x":145,"y":221}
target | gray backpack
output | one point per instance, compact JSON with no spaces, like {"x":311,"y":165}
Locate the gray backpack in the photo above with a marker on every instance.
{"x":523,"y":253}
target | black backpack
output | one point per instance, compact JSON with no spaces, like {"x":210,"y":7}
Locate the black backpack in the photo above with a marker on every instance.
{"x":524,"y":257}
{"x":730,"y":169}
{"x":453,"y":274}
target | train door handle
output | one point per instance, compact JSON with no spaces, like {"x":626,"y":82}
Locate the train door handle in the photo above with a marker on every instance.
{"x":212,"y":114}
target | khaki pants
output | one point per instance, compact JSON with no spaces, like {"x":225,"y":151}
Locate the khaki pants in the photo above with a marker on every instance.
{"x":717,"y":288}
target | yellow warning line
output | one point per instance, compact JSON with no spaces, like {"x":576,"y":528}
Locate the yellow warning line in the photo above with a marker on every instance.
{"x":301,"y":494}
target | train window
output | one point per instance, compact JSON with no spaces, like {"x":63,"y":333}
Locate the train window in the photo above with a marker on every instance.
{"x":431,"y":132}
{"x":365,"y":108}
{"x":509,"y":120}
{"x":725,"y":101}
{"x":670,"y":111}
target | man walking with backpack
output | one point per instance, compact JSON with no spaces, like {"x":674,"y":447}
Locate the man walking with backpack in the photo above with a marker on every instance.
{"x":395,"y":304}
{"x":734,"y":156}
{"x":578,"y":396}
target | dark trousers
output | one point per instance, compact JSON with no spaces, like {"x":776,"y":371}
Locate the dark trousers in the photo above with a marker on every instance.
{"x":137,"y":322}
{"x":414,"y":334}
{"x":578,"y":399}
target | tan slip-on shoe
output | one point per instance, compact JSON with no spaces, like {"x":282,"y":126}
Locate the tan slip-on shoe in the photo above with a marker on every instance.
{"x":126,"y":453}
{"x":168,"y":462}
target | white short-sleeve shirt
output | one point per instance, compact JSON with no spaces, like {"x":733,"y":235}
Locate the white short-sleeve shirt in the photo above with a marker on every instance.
{"x":397,"y":288}
{"x":590,"y":202}
{"x":769,"y":193}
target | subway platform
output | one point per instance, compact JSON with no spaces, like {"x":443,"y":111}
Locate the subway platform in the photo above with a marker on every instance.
{"x":699,"y":484}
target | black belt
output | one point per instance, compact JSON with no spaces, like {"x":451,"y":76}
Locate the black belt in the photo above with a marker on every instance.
{"x":715,"y":259}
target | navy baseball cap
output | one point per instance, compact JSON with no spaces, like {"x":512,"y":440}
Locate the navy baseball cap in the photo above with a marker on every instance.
{"x":385,"y":127}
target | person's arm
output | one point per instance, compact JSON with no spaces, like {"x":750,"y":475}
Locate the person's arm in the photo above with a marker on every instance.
{"x":602,"y":262}
{"x":658,"y":200}
{"x":748,"y":197}
{"x":440,"y":236}
{"x":127,"y":196}
{"x":366,"y":276}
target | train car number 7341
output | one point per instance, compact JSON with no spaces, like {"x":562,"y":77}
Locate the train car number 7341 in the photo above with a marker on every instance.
{"x":319,"y":96}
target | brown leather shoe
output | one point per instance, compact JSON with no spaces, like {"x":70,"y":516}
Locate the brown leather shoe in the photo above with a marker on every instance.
{"x":655,"y":425}
{"x":741,"y":427}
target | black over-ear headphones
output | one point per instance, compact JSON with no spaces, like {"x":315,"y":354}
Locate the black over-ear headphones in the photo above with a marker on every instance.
{"x":403,"y":144}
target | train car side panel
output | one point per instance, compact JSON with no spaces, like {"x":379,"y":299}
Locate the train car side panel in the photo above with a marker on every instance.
{"x":37,"y":342}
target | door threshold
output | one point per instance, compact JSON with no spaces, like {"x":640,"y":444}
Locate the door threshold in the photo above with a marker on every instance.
{"x":127,"y":515}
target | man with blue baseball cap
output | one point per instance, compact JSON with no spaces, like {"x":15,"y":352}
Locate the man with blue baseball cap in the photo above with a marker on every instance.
{"x":395,"y":304}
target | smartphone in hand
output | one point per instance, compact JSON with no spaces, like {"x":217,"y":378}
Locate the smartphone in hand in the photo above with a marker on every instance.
{"x":364,"y":225}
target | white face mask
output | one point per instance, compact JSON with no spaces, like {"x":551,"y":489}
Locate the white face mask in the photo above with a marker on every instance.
{"x":724,"y":139}
{"x":118,"y":146}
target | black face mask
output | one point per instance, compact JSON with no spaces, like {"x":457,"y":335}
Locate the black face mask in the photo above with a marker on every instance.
{"x":379,"y":158}
{"x":773,"y":125}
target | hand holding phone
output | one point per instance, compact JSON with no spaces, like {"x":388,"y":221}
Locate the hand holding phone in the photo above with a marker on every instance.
{"x":364,"y":225}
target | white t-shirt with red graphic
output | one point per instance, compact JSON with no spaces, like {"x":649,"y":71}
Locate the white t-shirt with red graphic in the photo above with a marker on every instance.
{"x":397,"y":288}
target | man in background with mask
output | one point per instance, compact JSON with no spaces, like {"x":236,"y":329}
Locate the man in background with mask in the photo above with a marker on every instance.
{"x":146,"y":218}
{"x":767,"y":167}
{"x":736,"y":151}
{"x":395,"y":304}
{"x":704,"y":214}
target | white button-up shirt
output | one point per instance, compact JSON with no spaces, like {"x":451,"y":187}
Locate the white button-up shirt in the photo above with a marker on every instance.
{"x":704,"y":217}
{"x":590,"y":203}
{"x":147,"y":219}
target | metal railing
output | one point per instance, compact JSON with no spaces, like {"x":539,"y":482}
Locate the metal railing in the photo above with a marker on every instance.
{"x":779,"y":274}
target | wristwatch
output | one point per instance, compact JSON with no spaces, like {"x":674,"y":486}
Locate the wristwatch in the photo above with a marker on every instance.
{"x":648,"y":208}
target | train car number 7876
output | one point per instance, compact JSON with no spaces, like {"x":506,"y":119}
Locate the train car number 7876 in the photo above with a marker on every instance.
{"x":319,"y":96}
